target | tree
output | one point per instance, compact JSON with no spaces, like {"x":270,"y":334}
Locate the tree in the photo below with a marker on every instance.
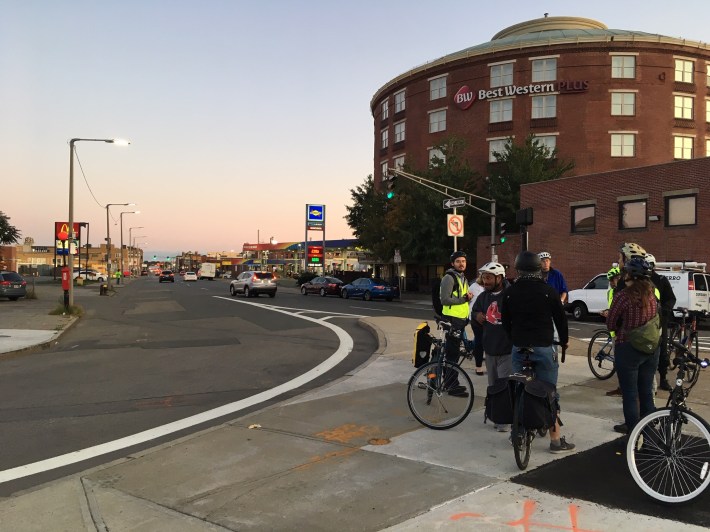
{"x":366,"y":217}
{"x":8,"y":233}
{"x":516,"y":165}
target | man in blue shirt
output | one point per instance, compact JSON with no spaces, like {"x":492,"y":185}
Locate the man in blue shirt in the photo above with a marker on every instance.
{"x":553,"y":277}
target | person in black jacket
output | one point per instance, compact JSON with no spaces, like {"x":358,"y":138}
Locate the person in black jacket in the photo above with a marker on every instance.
{"x":529,"y":309}
{"x":668,"y":301}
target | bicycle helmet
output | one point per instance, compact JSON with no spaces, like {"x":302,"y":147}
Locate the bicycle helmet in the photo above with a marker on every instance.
{"x":638,"y":268}
{"x":492,"y":267}
{"x":614,"y":272}
{"x":457,"y":254}
{"x":651,"y":260}
{"x":630,"y":250}
{"x":544,"y":255}
{"x":527,"y":261}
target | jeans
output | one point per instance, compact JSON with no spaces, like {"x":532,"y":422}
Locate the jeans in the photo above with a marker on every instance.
{"x":635,"y":371}
{"x":546,"y":365}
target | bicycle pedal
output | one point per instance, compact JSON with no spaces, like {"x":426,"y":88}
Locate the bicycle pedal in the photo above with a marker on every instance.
{"x":422,"y":386}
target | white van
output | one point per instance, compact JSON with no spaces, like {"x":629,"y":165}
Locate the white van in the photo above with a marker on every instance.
{"x":207,"y":271}
{"x":591,"y":299}
{"x":690,"y":284}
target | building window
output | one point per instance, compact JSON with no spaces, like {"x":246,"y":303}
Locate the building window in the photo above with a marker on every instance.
{"x":707,"y":147}
{"x":683,"y":107}
{"x":707,"y":111}
{"x":623,"y":104}
{"x":436,"y":156}
{"x":681,"y":210}
{"x":684,"y":70}
{"x":623,"y":144}
{"x":583,"y":219}
{"x":501,"y":110}
{"x":399,"y":162}
{"x":399,"y":132}
{"x":632,"y":214}
{"x":437,"y":88}
{"x":496,"y":146}
{"x":385,"y":109}
{"x":623,"y":66}
{"x":547,"y":141}
{"x":437,"y":121}
{"x":385,"y":135}
{"x":544,"y":69}
{"x":502,"y":75}
{"x":682,"y":147}
{"x":544,"y":106}
{"x":707,"y":74}
{"x":399,"y":102}
{"x":385,"y":170}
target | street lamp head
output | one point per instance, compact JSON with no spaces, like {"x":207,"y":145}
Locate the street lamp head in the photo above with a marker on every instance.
{"x":119,"y":142}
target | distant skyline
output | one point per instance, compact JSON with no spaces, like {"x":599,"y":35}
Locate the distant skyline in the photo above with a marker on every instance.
{"x":239,"y":113}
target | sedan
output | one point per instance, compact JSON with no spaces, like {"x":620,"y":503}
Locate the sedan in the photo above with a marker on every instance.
{"x":325,"y":286}
{"x":368,"y":289}
{"x":190,"y":276}
{"x":167,"y":276}
{"x":12,"y":285}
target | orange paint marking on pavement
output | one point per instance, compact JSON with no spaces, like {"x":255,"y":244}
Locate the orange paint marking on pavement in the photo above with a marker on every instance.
{"x":463,"y":515}
{"x":348,"y":432}
{"x":526,"y":522}
{"x":315,"y":460}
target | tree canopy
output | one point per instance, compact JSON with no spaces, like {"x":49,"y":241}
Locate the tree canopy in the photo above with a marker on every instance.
{"x":8,"y":233}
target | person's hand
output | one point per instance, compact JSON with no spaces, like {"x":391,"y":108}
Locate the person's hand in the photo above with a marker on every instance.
{"x":480,"y":318}
{"x":604,"y":313}
{"x":469,"y":296}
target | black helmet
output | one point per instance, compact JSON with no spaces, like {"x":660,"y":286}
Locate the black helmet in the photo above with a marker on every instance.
{"x":638,"y":268}
{"x":456,"y":254}
{"x":527,"y":261}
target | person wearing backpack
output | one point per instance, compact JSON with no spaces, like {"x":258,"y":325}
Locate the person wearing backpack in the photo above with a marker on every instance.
{"x":668,"y":300}
{"x":530,"y":309}
{"x":486,"y":312}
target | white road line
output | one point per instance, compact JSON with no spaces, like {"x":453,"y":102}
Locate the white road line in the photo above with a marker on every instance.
{"x":368,"y":308}
{"x":346,"y":346}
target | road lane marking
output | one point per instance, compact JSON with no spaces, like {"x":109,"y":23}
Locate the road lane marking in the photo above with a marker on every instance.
{"x":344,"y":349}
{"x":368,"y":308}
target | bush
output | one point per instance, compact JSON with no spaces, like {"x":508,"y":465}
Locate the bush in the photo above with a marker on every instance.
{"x":304,"y":277}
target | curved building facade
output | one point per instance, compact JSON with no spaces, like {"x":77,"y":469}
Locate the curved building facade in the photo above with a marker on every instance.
{"x":607,"y":99}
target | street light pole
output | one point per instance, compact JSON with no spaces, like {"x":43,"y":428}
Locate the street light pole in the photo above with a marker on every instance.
{"x":108,"y":242}
{"x":130,"y":244}
{"x":118,"y":281}
{"x":70,"y":257}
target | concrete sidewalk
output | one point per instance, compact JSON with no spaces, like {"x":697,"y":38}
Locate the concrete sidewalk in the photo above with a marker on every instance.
{"x":348,"y":456}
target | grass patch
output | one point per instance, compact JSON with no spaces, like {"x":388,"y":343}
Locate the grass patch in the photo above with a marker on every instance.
{"x":74,"y":310}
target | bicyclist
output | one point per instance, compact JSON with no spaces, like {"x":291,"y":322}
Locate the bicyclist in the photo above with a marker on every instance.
{"x":530,"y":307}
{"x":454,"y":295}
{"x":486,"y":312}
{"x":668,"y":300}
{"x":614,"y":275}
{"x":553,"y":277}
{"x":632,"y":307}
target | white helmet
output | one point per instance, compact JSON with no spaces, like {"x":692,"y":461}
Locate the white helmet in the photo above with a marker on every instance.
{"x":544,"y":255}
{"x":651,"y":260}
{"x":492,"y":267}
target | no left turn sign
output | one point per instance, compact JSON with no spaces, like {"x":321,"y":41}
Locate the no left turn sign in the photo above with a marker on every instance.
{"x":454,"y":224}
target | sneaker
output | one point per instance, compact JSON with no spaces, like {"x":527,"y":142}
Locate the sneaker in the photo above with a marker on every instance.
{"x":663,"y":385}
{"x":621,"y":428}
{"x":612,"y":393}
{"x":502,"y":428}
{"x":561,"y":447}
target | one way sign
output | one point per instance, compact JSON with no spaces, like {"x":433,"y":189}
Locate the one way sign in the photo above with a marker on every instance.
{"x":454,"y":202}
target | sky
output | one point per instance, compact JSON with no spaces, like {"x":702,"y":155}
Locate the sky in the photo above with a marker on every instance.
{"x":239,"y":113}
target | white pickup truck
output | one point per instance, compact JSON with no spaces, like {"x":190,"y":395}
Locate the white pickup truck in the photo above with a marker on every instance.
{"x":207,"y":271}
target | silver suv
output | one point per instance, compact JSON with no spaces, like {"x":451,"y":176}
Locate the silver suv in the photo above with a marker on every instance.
{"x":253,"y":283}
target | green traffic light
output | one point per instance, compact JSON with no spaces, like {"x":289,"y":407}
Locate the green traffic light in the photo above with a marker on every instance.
{"x":390,"y":195}
{"x":503,"y":239}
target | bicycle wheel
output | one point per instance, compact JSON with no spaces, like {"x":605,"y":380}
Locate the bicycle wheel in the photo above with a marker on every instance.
{"x":521,"y":437}
{"x":440,"y":396}
{"x":668,"y":454}
{"x":600,"y":355}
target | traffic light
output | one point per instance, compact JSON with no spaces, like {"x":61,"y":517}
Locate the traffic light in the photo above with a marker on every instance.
{"x":391,"y":182}
{"x":503,"y":236}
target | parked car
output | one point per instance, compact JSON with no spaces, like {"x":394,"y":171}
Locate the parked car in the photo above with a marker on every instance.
{"x":12,"y":285}
{"x":325,"y":286}
{"x":189,"y":276}
{"x":591,"y":298}
{"x":227,"y":275}
{"x":144,"y":272}
{"x":368,"y":289}
{"x":90,"y":275}
{"x":167,"y":276}
{"x":253,"y":284}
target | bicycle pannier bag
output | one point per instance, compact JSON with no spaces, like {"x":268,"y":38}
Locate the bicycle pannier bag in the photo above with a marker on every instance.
{"x":499,"y":403}
{"x":422,"y":345}
{"x":646,"y":337}
{"x":539,"y":405}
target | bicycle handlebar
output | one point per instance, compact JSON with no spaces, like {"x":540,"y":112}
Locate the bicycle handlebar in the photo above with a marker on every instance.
{"x":703,"y":363}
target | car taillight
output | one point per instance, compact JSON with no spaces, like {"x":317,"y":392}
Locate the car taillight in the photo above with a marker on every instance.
{"x":254,"y":278}
{"x":691,"y":285}
{"x":332,"y":285}
{"x":379,"y":287}
{"x":24,"y":283}
{"x":4,"y":283}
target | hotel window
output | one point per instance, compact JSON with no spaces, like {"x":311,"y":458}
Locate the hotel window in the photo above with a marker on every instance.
{"x":684,"y":70}
{"x":681,"y":210}
{"x":683,"y":107}
{"x":544,"y":106}
{"x":707,"y":147}
{"x":437,"y":121}
{"x":544,"y":69}
{"x":623,"y":144}
{"x":501,"y":110}
{"x":707,"y":111}
{"x":632,"y":214}
{"x":399,"y":132}
{"x":707,"y":74}
{"x":583,"y":218}
{"x":623,"y":66}
{"x":682,"y":147}
{"x":502,"y":75}
{"x":385,"y":170}
{"x":385,"y":135}
{"x":385,"y":109}
{"x":399,"y":102}
{"x":623,"y":103}
{"x":547,"y":141}
{"x":436,"y":153}
{"x":399,"y":162}
{"x":496,"y":146}
{"x":437,"y":88}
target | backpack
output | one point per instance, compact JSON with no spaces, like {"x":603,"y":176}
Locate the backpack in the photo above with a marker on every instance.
{"x":422,"y":345}
{"x":539,"y":405}
{"x":499,"y":403}
{"x":436,"y":296}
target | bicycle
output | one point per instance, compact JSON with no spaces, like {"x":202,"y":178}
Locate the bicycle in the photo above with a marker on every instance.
{"x":600,"y":354}
{"x":684,"y":331}
{"x":440,"y":393}
{"x":668,"y":451}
